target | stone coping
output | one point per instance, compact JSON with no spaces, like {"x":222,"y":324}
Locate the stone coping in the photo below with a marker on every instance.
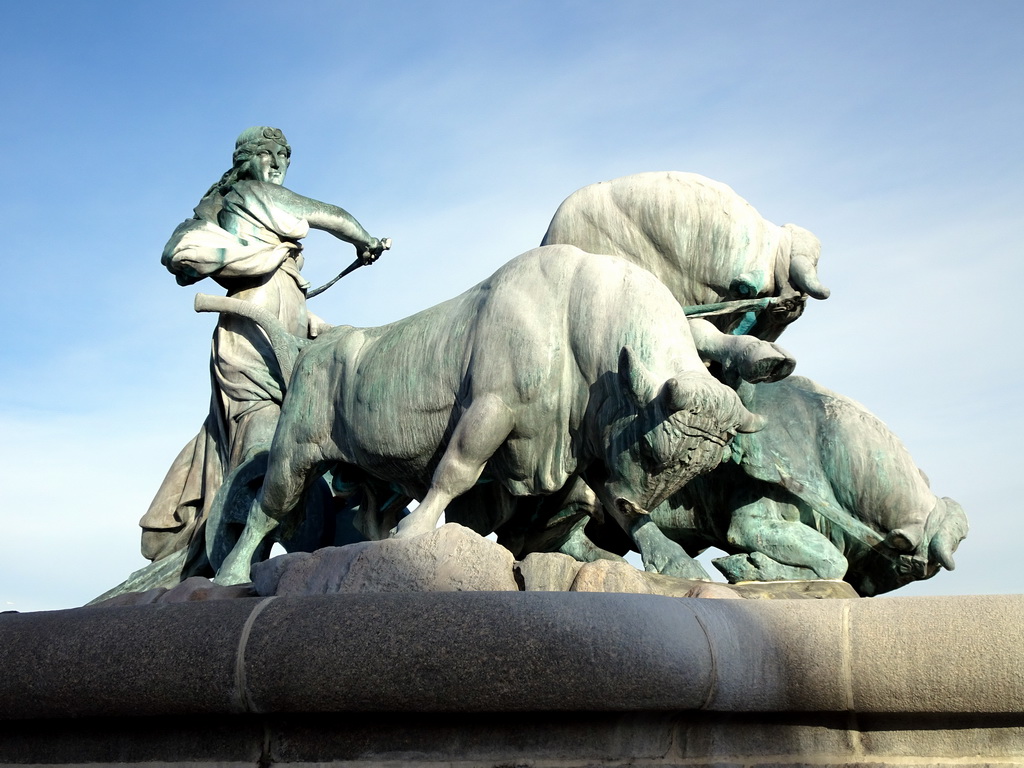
{"x":515,"y":652}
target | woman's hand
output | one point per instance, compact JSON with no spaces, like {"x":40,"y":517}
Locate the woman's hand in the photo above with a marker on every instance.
{"x":317,"y":325}
{"x":370,"y":252}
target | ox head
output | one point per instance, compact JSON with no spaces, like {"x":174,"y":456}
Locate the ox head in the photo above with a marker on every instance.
{"x":664,"y":433}
{"x":794,"y":277}
{"x":913,"y":552}
{"x":700,"y":238}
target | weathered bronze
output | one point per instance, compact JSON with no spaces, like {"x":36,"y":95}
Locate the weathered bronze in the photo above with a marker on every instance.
{"x":562,"y":365}
{"x":245,"y":236}
{"x":618,"y":387}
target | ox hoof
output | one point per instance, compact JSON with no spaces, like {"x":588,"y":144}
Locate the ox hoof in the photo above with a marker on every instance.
{"x":677,"y":564}
{"x":759,"y":567}
{"x":410,"y":527}
{"x":759,"y":362}
{"x":689,"y":569}
{"x":659,"y":553}
{"x":234,"y":570}
{"x":230,"y":579}
{"x":767,"y":367}
{"x":583,"y":549}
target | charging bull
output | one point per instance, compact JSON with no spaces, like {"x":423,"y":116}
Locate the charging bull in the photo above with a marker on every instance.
{"x":708,"y":245}
{"x":562,"y":365}
{"x":825,"y":491}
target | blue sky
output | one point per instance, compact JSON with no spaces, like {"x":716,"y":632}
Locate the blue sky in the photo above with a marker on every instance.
{"x":891,"y":130}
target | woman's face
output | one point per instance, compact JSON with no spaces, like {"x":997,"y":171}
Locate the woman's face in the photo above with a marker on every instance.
{"x":269,"y":163}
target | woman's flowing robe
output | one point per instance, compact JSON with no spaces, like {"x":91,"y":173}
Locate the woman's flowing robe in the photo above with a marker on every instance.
{"x":251,"y":248}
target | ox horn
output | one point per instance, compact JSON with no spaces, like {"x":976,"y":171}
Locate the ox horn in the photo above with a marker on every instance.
{"x":804,"y":275}
{"x":638,"y":381}
{"x":803,"y":259}
{"x":286,"y":346}
{"x":951,"y":523}
{"x":714,"y":397}
{"x":941,"y":551}
{"x":750,"y":422}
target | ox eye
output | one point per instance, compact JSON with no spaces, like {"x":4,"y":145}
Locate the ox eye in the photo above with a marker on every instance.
{"x":743,"y":288}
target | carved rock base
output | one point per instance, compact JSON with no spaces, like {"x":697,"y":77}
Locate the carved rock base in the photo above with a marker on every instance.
{"x":453,"y":558}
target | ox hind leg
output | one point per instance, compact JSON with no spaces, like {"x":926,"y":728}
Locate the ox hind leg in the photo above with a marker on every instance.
{"x":479,"y":433}
{"x":557,"y":523}
{"x":288,"y":475}
{"x":657,"y":551}
{"x":777,"y":546}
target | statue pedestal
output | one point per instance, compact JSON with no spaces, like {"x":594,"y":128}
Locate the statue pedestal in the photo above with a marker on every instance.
{"x":506,"y":678}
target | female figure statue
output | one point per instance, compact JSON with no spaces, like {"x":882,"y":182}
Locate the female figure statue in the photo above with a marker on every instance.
{"x":245,"y":235}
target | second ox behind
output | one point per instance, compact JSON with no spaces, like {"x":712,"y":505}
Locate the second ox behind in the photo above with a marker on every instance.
{"x":708,"y":245}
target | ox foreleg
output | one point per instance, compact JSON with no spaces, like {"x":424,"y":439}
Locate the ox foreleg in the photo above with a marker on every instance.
{"x":579,"y":546}
{"x":235,"y":568}
{"x":778,"y":545}
{"x":741,"y":357}
{"x":479,"y":433}
{"x":657,"y":551}
{"x":288,"y":474}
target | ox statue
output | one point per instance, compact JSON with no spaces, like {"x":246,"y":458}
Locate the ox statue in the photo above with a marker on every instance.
{"x":708,"y":245}
{"x":562,"y":365}
{"x":824,"y":491}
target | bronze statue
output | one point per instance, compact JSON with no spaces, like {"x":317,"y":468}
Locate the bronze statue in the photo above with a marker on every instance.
{"x":245,"y":236}
{"x":568,"y":390}
{"x":561,"y":365}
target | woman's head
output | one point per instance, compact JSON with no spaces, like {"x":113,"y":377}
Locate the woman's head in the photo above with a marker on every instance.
{"x":261,"y":153}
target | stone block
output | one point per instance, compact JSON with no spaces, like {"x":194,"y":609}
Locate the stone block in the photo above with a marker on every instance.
{"x":767,"y":652}
{"x":451,"y":558}
{"x":897,"y":665}
{"x":941,"y":736}
{"x":547,"y":572}
{"x":711,"y":590}
{"x":136,"y":660}
{"x":476,"y":652}
{"x":817,"y":589}
{"x":185,"y":740}
{"x":917,"y":654}
{"x":746,"y":738}
{"x":192,"y":589}
{"x":486,"y":739}
{"x":621,"y":577}
{"x":611,"y":576}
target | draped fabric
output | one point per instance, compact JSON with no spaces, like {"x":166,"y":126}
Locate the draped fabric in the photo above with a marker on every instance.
{"x":250,"y":247}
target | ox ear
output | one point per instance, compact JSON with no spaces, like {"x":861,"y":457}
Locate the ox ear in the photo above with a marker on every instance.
{"x":900,"y":540}
{"x":636,"y":379}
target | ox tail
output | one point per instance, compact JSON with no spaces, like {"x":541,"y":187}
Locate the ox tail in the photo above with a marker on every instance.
{"x":286,"y":345}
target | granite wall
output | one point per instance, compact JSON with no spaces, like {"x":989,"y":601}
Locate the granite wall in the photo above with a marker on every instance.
{"x":517,"y":679}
